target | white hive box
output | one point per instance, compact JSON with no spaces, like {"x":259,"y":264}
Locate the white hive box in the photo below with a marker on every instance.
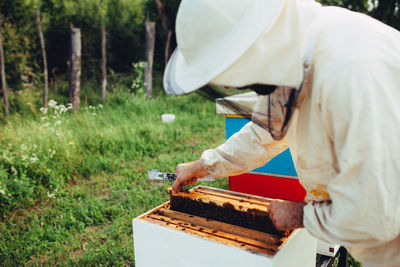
{"x":165,"y":237}
{"x":327,"y":249}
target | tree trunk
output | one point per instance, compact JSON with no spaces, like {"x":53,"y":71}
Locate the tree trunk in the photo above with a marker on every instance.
{"x":75,"y":68}
{"x":163,"y":15}
{"x":103,"y":62}
{"x":45,"y":71}
{"x":167,"y":32}
{"x":167,"y":47}
{"x":150,"y":39}
{"x":3,"y":72}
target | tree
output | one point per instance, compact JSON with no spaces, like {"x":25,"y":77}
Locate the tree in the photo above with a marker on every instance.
{"x":21,"y":55}
{"x":150,"y":40}
{"x":387,"y":11}
{"x":45,"y":71}
{"x":75,"y":70}
{"x":3,"y":72}
{"x":103,"y":62}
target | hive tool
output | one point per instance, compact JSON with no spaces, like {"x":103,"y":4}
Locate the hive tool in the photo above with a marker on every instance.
{"x":154,"y":174}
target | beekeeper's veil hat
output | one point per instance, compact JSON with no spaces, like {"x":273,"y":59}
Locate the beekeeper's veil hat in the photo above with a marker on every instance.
{"x":237,"y":43}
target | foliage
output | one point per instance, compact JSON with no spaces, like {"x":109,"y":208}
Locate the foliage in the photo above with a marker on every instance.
{"x":70,"y":184}
{"x":124,"y":23}
{"x":355,"y":5}
{"x":138,"y":83}
{"x":124,"y":20}
{"x":170,"y":9}
{"x":40,"y":154}
{"x":386,"y":11}
{"x":20,"y":53}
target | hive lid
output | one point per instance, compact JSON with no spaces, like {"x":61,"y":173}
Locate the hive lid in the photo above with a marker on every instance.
{"x":246,"y":103}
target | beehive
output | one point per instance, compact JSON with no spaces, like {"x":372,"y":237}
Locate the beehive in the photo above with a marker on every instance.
{"x":214,"y":227}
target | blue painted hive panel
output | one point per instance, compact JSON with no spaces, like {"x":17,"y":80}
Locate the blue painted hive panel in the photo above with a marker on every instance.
{"x":281,"y":164}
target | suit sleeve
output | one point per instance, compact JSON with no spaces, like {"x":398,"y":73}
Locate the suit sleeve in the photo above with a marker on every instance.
{"x":246,"y":150}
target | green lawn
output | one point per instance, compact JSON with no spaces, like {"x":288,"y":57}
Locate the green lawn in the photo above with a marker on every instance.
{"x":71,"y":184}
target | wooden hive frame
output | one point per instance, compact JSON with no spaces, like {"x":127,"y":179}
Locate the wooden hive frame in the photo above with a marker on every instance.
{"x":231,"y":218}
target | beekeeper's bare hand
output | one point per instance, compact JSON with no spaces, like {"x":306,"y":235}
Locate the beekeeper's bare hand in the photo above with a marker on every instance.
{"x":187,"y":174}
{"x":286,"y":214}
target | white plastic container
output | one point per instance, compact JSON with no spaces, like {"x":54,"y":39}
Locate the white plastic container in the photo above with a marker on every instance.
{"x":167,"y":118}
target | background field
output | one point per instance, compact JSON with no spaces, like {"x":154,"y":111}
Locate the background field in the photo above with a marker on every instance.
{"x":70,"y":185}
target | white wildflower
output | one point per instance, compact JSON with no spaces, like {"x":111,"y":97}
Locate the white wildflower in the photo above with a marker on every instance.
{"x":58,"y":122}
{"x":51,"y":195}
{"x":33,"y":159}
{"x":13,"y":170}
{"x":23,"y":147}
{"x":94,"y":114}
{"x":43,"y":110}
{"x":54,"y":117}
{"x":100,"y":106}
{"x":63,"y":109}
{"x":9,"y":145}
{"x":52,"y":103}
{"x":24,"y":157}
{"x":69,"y":106}
{"x":43,"y":118}
{"x":46,"y":124}
{"x":2,"y":191}
{"x":57,"y":133}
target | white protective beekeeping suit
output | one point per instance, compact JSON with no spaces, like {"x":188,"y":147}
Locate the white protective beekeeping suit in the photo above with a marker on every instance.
{"x":344,"y":134}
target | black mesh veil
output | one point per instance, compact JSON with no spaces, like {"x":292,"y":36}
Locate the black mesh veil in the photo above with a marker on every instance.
{"x":273,"y":111}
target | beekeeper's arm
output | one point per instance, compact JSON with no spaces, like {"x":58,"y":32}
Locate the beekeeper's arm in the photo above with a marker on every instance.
{"x":360,"y":112}
{"x":246,"y":150}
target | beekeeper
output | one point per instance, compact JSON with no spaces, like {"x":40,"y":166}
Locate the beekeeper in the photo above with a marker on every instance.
{"x":329,"y":81}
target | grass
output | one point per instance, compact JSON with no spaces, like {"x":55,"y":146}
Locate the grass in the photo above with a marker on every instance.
{"x":71,"y":184}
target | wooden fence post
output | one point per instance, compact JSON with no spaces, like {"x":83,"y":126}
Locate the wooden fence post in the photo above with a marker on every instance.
{"x":75,"y":68}
{"x":103,"y":62}
{"x":167,"y":48}
{"x":3,"y":72}
{"x":45,"y":71}
{"x":150,"y":39}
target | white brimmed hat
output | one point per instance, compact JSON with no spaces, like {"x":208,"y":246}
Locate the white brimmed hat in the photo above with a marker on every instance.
{"x":212,"y":35}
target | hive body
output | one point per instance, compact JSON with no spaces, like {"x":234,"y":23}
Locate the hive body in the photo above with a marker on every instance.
{"x":207,"y":227}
